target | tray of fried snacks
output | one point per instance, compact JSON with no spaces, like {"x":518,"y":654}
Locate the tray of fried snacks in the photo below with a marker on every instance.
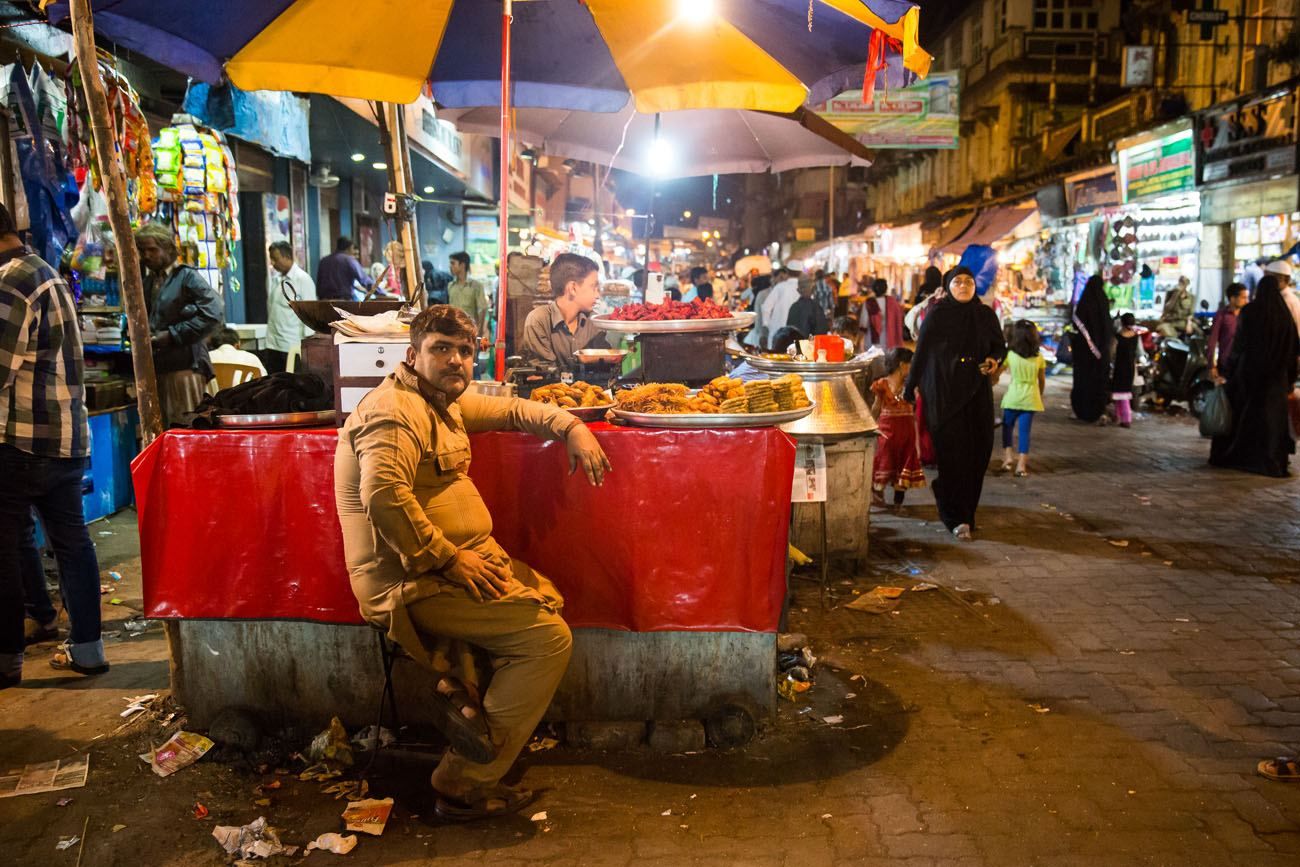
{"x":587,"y":402}
{"x":724,"y":402}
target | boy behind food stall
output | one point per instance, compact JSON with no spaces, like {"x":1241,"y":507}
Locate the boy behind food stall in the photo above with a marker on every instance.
{"x":558,"y":329}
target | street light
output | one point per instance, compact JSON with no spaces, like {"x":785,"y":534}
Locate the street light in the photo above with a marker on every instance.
{"x":630,"y":212}
{"x":686,"y":215}
{"x":697,"y":12}
{"x":717,"y":234}
{"x":358,"y":157}
{"x":704,"y":236}
{"x":428,"y":189}
{"x":660,"y":157}
{"x":379,"y":166}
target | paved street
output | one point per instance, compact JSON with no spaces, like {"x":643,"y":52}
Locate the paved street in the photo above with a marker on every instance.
{"x":1093,"y":682}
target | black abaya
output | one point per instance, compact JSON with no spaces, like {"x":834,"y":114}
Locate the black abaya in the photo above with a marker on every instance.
{"x":1090,"y":348}
{"x":1263,"y":372}
{"x":958,"y":399}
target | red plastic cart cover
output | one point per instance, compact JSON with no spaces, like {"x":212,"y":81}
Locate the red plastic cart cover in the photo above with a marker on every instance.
{"x":688,"y":532}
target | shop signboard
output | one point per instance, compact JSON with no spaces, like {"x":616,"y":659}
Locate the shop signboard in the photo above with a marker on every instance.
{"x":1157,"y":165}
{"x":438,"y":137}
{"x":921,"y":116}
{"x":1091,"y":191}
{"x":481,"y":242}
{"x":1249,"y":138}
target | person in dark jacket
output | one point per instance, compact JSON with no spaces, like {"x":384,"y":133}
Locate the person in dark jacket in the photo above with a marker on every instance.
{"x":806,"y":314}
{"x":1260,"y":378}
{"x":958,"y":352}
{"x":183,"y":311}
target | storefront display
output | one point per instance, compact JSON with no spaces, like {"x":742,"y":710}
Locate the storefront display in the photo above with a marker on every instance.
{"x":198,"y":192}
{"x":1153,"y":238}
{"x":1246,"y":164}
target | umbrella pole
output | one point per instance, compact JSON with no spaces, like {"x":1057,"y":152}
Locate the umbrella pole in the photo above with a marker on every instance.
{"x":504,"y":187}
{"x":109,"y":163}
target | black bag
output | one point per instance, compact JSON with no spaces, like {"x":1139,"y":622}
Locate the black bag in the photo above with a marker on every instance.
{"x":1216,"y":417}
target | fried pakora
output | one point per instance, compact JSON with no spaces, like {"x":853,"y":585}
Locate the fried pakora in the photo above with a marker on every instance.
{"x":579,"y":394}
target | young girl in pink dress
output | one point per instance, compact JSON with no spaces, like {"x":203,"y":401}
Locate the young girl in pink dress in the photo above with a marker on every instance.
{"x":898,"y":460}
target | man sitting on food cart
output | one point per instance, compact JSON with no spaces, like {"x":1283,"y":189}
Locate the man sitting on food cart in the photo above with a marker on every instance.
{"x":562,"y":326}
{"x":425,"y":568}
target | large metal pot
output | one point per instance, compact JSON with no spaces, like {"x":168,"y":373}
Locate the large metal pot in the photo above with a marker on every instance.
{"x":840,"y":410}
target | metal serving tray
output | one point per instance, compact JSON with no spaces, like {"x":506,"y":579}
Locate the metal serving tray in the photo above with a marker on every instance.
{"x":692,"y":420}
{"x":736,"y":322}
{"x":317,"y":418}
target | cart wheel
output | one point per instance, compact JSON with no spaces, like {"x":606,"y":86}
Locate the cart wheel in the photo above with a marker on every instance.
{"x":729,"y":726}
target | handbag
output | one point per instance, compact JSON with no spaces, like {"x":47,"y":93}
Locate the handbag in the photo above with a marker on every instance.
{"x":1216,"y":417}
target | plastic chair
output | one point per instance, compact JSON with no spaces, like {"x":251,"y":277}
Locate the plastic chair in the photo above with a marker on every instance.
{"x":234,"y":374}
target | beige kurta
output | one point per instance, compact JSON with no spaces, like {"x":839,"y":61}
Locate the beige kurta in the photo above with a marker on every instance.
{"x":406,"y":503}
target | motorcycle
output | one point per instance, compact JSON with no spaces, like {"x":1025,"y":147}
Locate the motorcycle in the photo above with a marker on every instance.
{"x":1180,"y":371}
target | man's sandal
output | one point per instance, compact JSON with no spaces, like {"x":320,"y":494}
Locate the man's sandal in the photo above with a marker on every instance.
{"x":1283,"y":769}
{"x":500,"y":801}
{"x":63,"y":661}
{"x":469,"y":736}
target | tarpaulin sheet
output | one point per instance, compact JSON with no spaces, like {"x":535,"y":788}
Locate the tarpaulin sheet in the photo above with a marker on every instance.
{"x":688,"y":532}
{"x":991,"y":225}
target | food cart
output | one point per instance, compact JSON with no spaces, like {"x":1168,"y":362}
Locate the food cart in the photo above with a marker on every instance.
{"x":673,"y":572}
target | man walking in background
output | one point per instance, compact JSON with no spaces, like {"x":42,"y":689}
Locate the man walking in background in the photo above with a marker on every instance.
{"x":337,"y":272}
{"x":284,"y":330}
{"x":466,"y":294}
{"x":44,"y":444}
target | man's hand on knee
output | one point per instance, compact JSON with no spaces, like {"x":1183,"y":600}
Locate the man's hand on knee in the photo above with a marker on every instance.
{"x":480,"y":578}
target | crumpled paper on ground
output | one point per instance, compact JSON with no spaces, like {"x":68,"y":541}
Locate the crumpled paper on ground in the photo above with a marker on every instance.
{"x":336,"y":843}
{"x":254,"y":840}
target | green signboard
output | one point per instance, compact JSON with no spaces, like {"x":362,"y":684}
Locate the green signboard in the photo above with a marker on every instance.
{"x":1158,"y":167}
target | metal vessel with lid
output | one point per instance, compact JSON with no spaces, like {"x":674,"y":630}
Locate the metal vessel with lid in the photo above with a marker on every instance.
{"x":840,"y":411}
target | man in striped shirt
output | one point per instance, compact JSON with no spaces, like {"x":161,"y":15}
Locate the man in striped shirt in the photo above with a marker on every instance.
{"x":44,"y":444}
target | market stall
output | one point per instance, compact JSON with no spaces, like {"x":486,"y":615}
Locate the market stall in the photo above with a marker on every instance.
{"x":673,"y":571}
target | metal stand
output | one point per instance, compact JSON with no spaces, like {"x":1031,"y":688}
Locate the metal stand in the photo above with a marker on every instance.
{"x":388,"y":653}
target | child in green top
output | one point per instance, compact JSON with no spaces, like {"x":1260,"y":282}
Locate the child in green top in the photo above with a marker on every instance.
{"x":1024,"y":395}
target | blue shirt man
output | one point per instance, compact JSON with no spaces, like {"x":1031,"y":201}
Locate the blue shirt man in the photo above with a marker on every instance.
{"x":338,"y":271}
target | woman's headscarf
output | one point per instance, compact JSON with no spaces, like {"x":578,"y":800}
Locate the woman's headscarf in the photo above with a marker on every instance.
{"x":933,"y":280}
{"x":955,"y":338}
{"x":1266,"y":340}
{"x":1092,"y":317}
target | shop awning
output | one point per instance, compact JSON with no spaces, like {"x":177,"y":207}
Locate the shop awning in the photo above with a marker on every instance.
{"x":950,"y":230}
{"x":990,"y":225}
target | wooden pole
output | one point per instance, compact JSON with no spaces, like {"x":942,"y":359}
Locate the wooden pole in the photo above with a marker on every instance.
{"x":109,"y":162}
{"x":399,"y":173}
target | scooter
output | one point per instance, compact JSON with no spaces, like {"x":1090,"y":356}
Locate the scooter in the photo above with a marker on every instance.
{"x":1181,"y":371}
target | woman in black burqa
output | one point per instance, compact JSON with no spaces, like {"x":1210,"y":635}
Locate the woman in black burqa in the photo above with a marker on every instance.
{"x":1090,"y":345}
{"x":960,"y":345}
{"x":1263,"y":372}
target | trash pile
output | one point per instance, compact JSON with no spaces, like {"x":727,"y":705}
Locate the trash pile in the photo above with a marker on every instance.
{"x":794,"y":661}
{"x":327,"y":760}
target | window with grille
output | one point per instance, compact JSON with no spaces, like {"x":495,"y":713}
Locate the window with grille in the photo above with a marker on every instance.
{"x":1065,"y":15}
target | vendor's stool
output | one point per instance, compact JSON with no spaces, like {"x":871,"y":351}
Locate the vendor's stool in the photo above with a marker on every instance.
{"x":389,"y":651}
